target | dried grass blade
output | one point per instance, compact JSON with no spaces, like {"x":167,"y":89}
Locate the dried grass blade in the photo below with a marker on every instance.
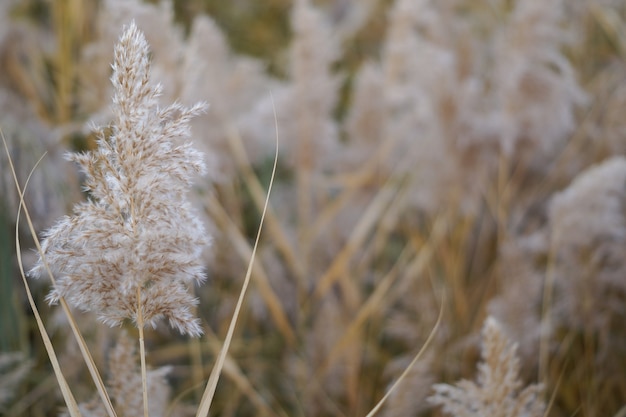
{"x":91,"y":365}
{"x":414,"y":268}
{"x":362,"y":229}
{"x":612,"y":25}
{"x":260,"y":276}
{"x":209,"y":392}
{"x":363,"y":314}
{"x":546,"y":308}
{"x":68,"y":397}
{"x":353,"y":183}
{"x":556,"y":390}
{"x":279,"y":237}
{"x":43,"y":387}
{"x":78,"y":336}
{"x":142,"y":354}
{"x":232,"y":370}
{"x":417,"y":357}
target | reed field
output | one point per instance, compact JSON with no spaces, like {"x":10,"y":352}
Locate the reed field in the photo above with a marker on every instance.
{"x":304,"y":208}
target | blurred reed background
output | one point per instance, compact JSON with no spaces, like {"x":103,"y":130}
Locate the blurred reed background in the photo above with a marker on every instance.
{"x":473,"y":148}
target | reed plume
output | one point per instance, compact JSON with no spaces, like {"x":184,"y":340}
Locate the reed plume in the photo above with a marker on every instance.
{"x":498,"y":389}
{"x":131,"y":250}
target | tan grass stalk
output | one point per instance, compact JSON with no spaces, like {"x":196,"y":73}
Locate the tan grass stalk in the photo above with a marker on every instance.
{"x":373,"y":303}
{"x":243,"y":249}
{"x":95,"y":375}
{"x":555,"y":391}
{"x":20,"y":408}
{"x":230,"y":370}
{"x":366,"y":311}
{"x":279,"y":237}
{"x":142,"y":354}
{"x":209,"y":392}
{"x":67,"y":394}
{"x":612,"y":25}
{"x":68,"y":19}
{"x":452,"y":257}
{"x":70,"y":401}
{"x":353,"y":183}
{"x":362,"y":229}
{"x":546,"y":306}
{"x":194,"y":351}
{"x":234,"y":373}
{"x":503,"y":195}
{"x":417,"y":357}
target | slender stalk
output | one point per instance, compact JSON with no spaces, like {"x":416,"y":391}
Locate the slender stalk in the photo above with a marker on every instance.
{"x":417,"y":357}
{"x":142,"y":354}
{"x":68,"y":396}
{"x":93,"y":370}
{"x":209,"y":392}
{"x":546,"y":310}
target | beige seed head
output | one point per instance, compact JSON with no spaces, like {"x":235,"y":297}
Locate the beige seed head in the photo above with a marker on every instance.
{"x":137,"y":233}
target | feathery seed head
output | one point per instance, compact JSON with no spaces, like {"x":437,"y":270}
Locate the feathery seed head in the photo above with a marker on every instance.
{"x":137,"y":233}
{"x":498,"y":390}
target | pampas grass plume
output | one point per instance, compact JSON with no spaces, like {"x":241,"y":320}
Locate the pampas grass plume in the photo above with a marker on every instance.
{"x":136,"y":233}
{"x":498,"y":389}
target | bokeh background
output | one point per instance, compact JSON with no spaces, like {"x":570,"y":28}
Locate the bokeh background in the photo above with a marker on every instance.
{"x":469,"y":152}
